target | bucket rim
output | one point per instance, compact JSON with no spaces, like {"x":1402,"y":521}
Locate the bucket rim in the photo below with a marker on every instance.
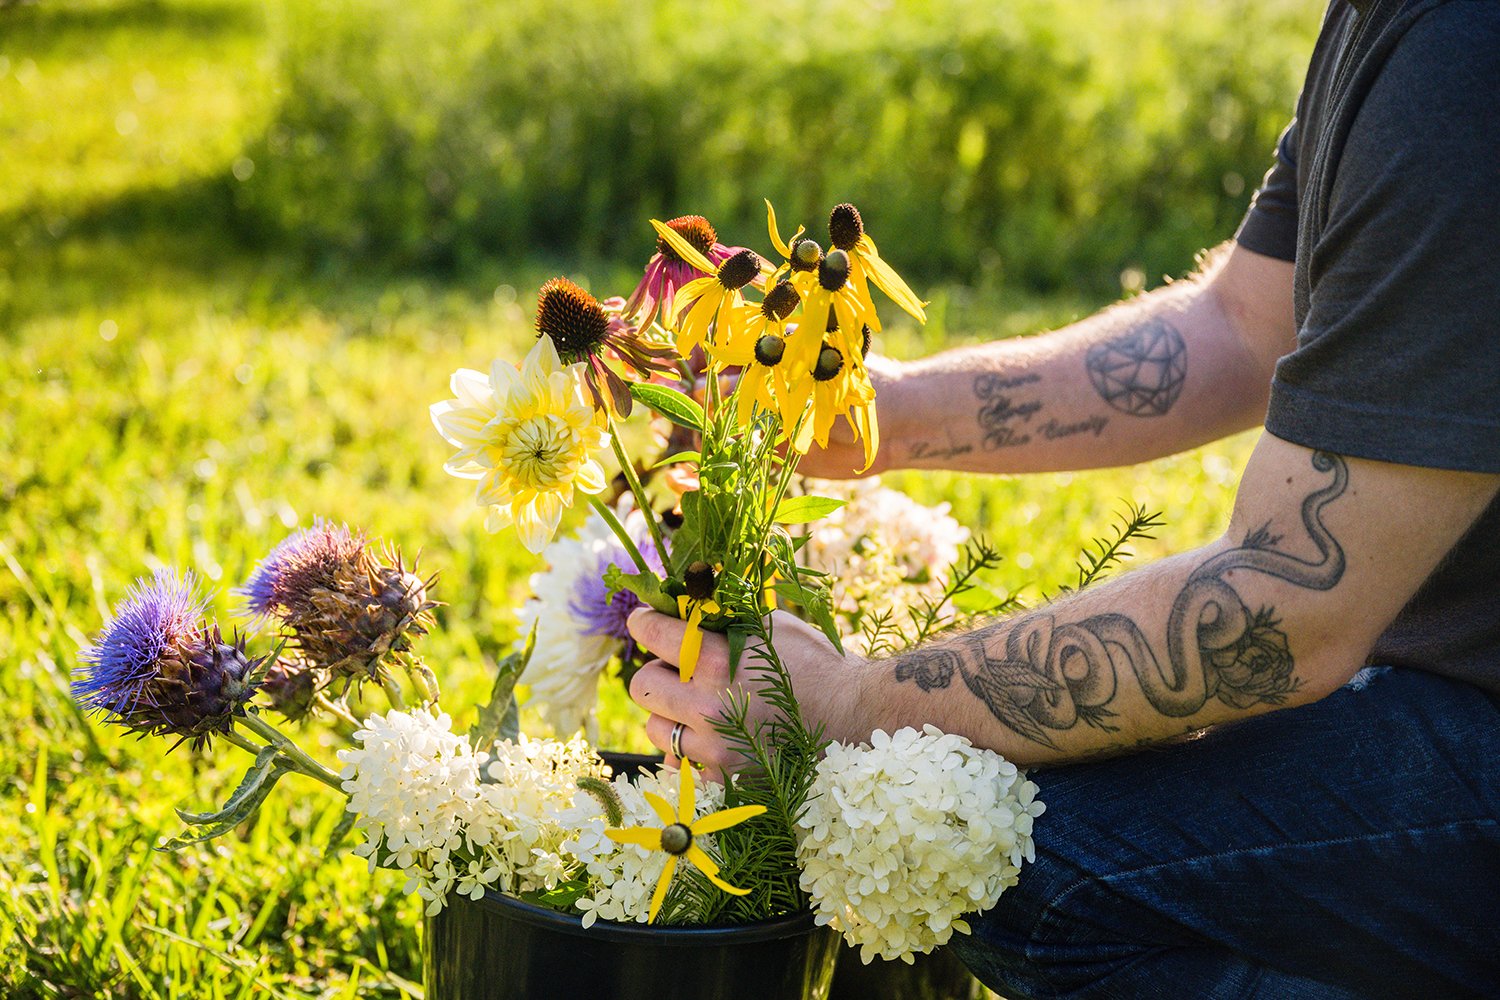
{"x":775,"y":928}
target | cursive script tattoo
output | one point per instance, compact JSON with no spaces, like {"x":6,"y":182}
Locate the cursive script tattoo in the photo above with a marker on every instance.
{"x":1005,"y":421}
{"x":927,"y":451}
{"x":1140,"y":372}
{"x":1046,"y":676}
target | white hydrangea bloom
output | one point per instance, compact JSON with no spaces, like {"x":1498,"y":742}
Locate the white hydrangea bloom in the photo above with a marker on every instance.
{"x":904,"y":835}
{"x":623,"y":876}
{"x":885,"y":551}
{"x":577,"y":634}
{"x":450,"y":818}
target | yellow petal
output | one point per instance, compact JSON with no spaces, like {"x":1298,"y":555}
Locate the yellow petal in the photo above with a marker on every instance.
{"x":692,"y":644}
{"x":661,"y":807}
{"x":682,"y":247}
{"x":641,"y":836}
{"x":661,"y":888}
{"x":685,"y":794}
{"x":725,"y":818}
{"x":706,"y":865}
{"x":888,"y":281}
{"x":782,"y":248}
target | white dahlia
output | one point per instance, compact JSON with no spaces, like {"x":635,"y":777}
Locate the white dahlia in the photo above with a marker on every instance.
{"x":529,"y":436}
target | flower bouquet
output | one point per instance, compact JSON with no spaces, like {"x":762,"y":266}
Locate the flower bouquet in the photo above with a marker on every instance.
{"x":738,"y":363}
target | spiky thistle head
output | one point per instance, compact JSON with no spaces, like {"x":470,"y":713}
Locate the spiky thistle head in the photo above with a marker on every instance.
{"x":159,"y":667}
{"x":342,"y":603}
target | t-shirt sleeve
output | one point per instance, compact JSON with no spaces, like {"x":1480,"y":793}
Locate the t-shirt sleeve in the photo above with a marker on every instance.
{"x":1270,"y":225}
{"x":1398,"y":356}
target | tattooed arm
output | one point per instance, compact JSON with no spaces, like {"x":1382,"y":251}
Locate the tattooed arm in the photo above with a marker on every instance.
{"x":1322,"y":552}
{"x":1183,"y":365}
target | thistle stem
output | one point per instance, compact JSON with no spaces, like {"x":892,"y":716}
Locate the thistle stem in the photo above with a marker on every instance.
{"x":392,"y":689}
{"x":295,"y":756}
{"x":627,"y":468}
{"x":336,"y":710}
{"x":610,"y":519}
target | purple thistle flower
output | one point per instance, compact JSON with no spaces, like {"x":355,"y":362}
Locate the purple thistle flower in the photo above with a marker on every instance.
{"x":303,"y":561}
{"x":591,"y":602}
{"x":159,"y":667}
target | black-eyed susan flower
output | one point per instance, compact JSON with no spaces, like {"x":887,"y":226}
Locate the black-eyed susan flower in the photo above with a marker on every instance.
{"x":713,"y":300}
{"x":700,"y":581}
{"x":758,"y":350}
{"x":667,"y":271}
{"x":801,"y":254}
{"x":676,"y":836}
{"x":830,"y":303}
{"x":846,"y":232}
{"x":584,"y":332}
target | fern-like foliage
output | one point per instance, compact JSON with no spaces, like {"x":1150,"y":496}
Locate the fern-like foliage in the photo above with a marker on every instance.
{"x":1103,"y":554}
{"x":885,"y":635}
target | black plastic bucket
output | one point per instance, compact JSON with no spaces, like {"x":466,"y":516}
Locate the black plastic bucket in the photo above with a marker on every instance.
{"x":499,"y":948}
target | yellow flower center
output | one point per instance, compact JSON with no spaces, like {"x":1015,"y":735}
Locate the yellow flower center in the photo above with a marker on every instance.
{"x":538,"y":452}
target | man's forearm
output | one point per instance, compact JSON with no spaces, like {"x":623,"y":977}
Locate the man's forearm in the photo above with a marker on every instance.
{"x":1235,"y":628}
{"x":1150,"y":377}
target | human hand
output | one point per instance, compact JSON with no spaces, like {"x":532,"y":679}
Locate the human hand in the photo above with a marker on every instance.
{"x":826,"y":684}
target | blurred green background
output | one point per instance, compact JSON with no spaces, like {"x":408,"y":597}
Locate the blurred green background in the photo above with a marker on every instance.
{"x":244,"y":242}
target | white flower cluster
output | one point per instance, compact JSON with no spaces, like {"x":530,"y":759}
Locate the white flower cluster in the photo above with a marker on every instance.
{"x":450,"y":818}
{"x":903,"y":836}
{"x":577,"y":632}
{"x":622,"y":877}
{"x":885,"y":551}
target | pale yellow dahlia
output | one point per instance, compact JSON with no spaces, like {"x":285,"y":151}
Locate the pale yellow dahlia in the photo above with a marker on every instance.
{"x":529,"y":435}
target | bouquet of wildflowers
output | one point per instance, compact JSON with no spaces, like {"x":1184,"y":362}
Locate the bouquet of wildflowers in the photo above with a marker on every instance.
{"x":747,"y":360}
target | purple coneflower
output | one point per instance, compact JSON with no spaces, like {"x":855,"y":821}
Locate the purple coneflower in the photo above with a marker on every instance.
{"x":344,"y":605}
{"x":158,"y":667}
{"x":666,"y":272}
{"x":584,"y":330}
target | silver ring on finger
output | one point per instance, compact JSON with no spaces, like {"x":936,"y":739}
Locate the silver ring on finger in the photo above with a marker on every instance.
{"x":677,"y":740}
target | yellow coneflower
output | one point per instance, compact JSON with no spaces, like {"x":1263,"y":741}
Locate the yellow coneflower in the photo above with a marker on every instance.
{"x":700,"y":581}
{"x":846,"y":231}
{"x":830,"y":297}
{"x":675,"y":836}
{"x":836,"y":390}
{"x":758,"y":350}
{"x":710,"y":301}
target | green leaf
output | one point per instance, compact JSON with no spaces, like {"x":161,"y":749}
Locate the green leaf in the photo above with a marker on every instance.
{"x":737,"y":636}
{"x":817,"y":605}
{"x":646,"y":586}
{"x":681,"y":456}
{"x":241,"y":806}
{"x":674,"y":405}
{"x":501,"y":718}
{"x":800,"y":510}
{"x":255,"y":776}
{"x":340,"y":831}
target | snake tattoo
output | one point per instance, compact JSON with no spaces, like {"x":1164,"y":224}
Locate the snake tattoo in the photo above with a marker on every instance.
{"x":1050,"y":676}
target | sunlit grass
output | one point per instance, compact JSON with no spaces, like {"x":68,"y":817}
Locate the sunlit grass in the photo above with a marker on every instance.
{"x":169,"y":398}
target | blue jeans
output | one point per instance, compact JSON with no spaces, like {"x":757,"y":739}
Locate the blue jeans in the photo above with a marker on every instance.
{"x":1347,"y":848}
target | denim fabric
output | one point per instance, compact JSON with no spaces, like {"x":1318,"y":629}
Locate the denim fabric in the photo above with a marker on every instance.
{"x":1347,"y":848}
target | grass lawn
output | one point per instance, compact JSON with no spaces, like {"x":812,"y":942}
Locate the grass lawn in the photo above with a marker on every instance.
{"x":169,"y":397}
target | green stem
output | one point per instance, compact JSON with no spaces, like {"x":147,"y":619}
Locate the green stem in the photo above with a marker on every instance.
{"x":641,"y":503}
{"x":336,"y":710}
{"x":295,"y":756}
{"x":392,"y":689}
{"x":610,"y":519}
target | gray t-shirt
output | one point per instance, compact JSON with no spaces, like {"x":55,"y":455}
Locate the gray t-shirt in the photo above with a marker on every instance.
{"x":1386,"y":194}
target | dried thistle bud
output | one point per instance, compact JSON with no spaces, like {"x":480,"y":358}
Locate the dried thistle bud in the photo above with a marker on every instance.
{"x":344,"y":605}
{"x":289,"y":686}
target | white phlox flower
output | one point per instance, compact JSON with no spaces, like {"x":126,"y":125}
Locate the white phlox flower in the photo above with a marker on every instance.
{"x":904,"y":835}
{"x":450,"y":818}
